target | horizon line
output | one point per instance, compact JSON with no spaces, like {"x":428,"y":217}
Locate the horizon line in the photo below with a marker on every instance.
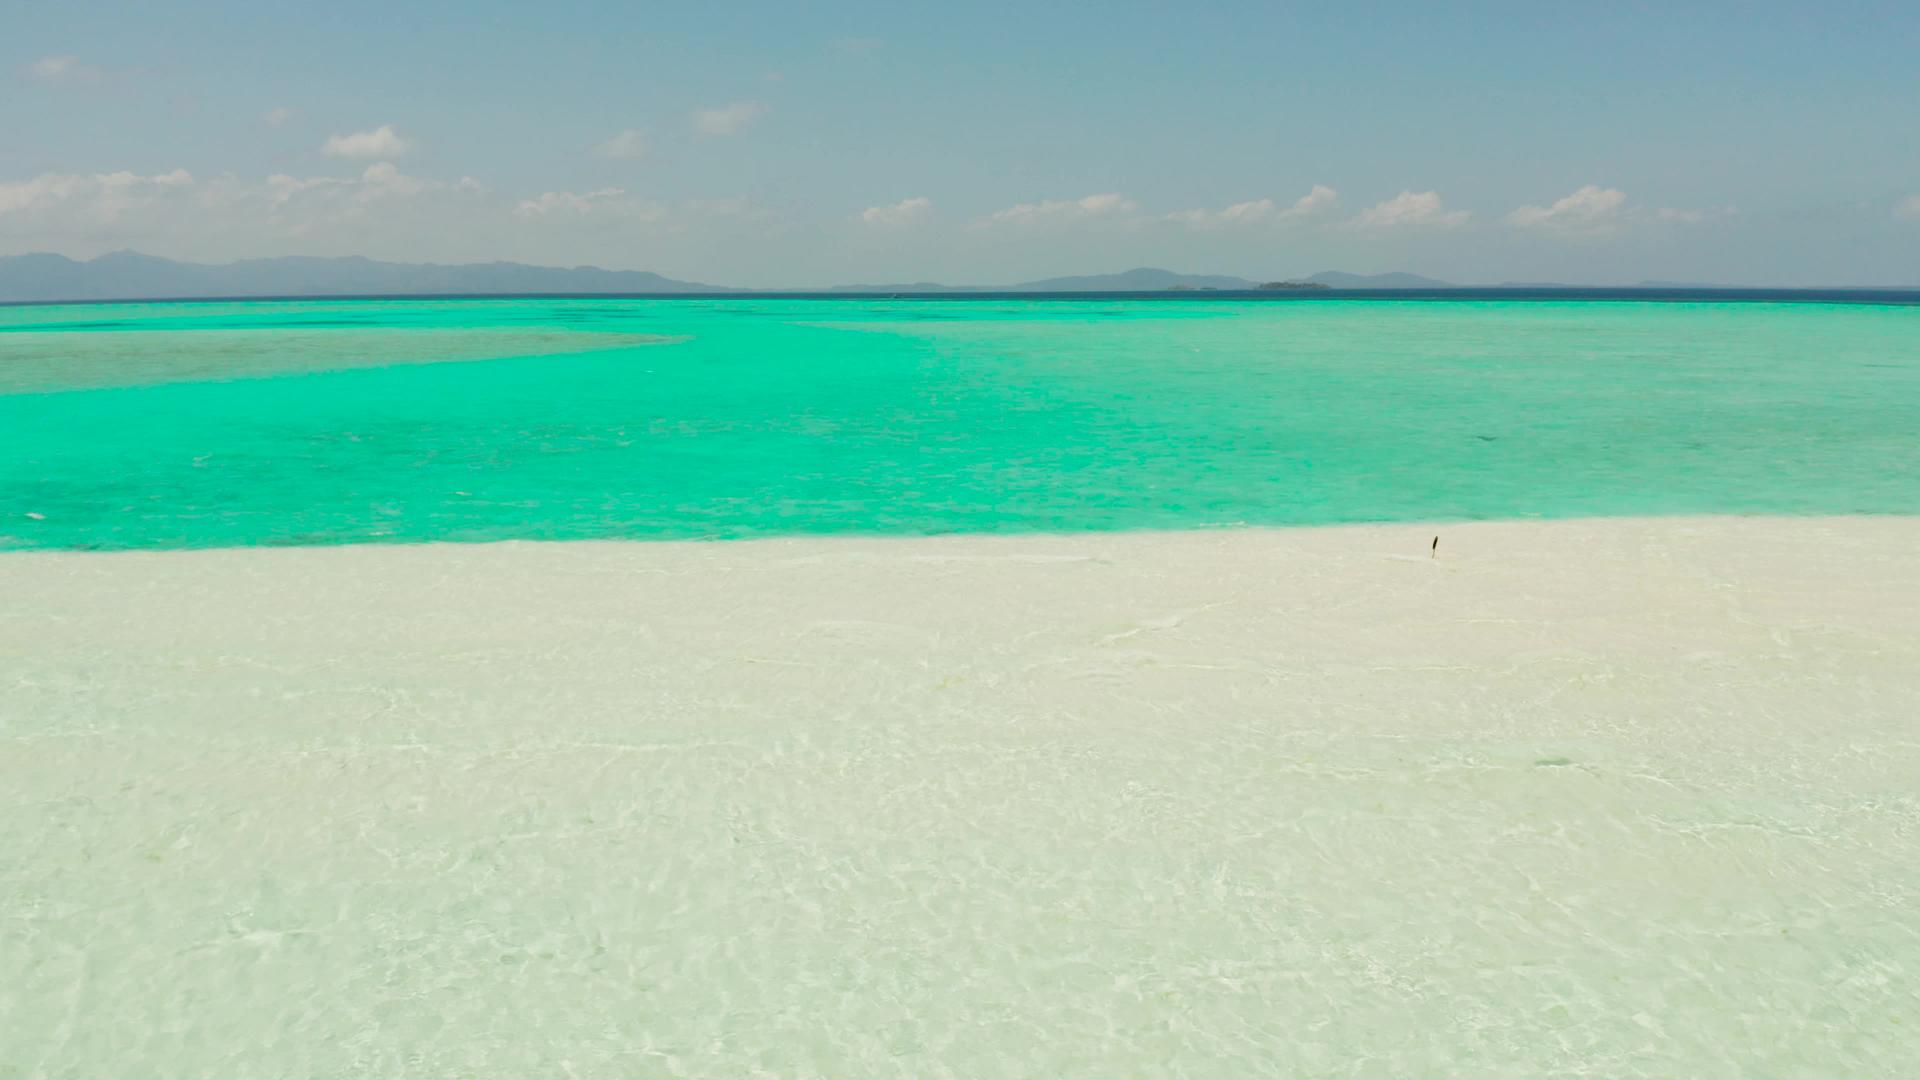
{"x":921,"y":287}
{"x":1872,"y":294}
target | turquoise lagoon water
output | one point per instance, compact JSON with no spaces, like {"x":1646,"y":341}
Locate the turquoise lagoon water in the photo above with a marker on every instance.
{"x":322,"y":422}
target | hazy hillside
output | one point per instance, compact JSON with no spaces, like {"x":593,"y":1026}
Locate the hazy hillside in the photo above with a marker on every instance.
{"x":130,"y":275}
{"x":1334,"y":279}
{"x":126,"y":275}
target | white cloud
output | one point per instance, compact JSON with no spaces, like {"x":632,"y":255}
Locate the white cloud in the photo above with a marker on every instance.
{"x":62,"y":69}
{"x":50,"y":68}
{"x":1246,"y":213}
{"x":281,"y":188}
{"x":361,"y":214}
{"x":381,"y":142}
{"x":1060,"y":211}
{"x":610,"y":202}
{"x":1598,"y":211}
{"x":383,"y":179}
{"x":1591,"y":209}
{"x":376,"y":209}
{"x":729,"y":119}
{"x":1319,"y":200}
{"x":276,"y":117}
{"x":624,"y":146}
{"x":1411,"y":208}
{"x":904,"y":212}
{"x":613,"y":208}
{"x":1908,"y":209}
{"x":1109,"y":203}
{"x":98,"y":197}
{"x":554,"y":202}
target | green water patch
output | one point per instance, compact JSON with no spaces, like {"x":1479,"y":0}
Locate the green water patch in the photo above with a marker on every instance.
{"x":70,"y":347}
{"x":47,"y":361}
{"x":771,"y":417}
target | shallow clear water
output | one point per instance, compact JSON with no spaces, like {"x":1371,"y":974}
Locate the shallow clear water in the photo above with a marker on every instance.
{"x":217,"y":424}
{"x":1288,"y":803}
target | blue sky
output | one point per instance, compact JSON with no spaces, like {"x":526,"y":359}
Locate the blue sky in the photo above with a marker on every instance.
{"x":784,"y":144}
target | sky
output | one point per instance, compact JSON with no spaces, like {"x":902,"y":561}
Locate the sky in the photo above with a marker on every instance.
{"x":780,"y":145}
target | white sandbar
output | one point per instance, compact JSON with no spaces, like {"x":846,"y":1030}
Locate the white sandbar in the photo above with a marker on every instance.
{"x":1610,"y":798}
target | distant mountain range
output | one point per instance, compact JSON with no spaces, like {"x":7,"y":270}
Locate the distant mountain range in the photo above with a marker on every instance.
{"x":1334,"y":279}
{"x":129,"y":275}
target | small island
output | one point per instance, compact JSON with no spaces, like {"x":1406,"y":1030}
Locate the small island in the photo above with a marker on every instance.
{"x":1276,"y":286}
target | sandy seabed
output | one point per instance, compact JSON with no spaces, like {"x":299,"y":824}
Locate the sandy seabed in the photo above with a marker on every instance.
{"x":1611,"y":798}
